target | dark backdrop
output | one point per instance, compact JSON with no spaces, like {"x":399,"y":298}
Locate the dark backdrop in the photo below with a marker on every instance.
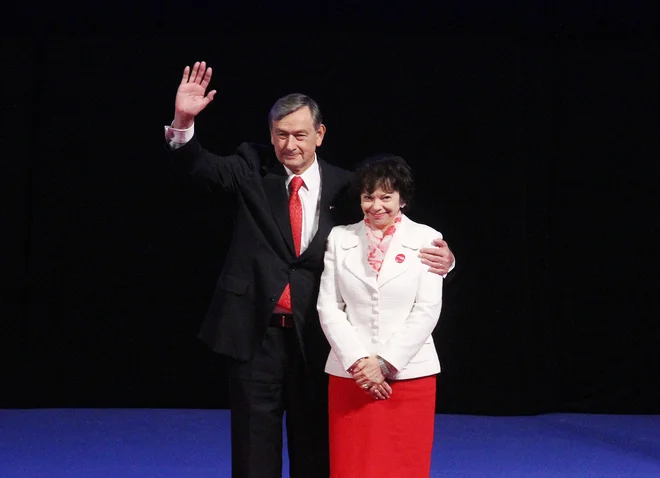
{"x":535,"y":149}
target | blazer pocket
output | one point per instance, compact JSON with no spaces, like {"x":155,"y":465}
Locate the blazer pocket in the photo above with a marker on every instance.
{"x":234,"y":284}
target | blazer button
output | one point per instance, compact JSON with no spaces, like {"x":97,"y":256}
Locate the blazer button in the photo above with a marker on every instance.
{"x":273,"y":298}
{"x":292,"y":269}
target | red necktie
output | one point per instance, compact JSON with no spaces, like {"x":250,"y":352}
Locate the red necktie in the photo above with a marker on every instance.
{"x":295,"y":213}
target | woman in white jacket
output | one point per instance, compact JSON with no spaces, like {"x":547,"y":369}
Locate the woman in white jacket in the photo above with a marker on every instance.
{"x":378,"y":305}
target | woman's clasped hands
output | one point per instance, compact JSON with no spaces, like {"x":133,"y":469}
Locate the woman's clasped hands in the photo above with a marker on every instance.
{"x":369,"y":377}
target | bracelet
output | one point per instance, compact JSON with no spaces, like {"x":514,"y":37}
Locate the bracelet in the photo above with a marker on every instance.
{"x":384,"y":369}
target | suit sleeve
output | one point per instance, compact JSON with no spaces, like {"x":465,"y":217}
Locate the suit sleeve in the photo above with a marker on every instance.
{"x":211,"y":171}
{"x":331,"y":308}
{"x":406,"y":342}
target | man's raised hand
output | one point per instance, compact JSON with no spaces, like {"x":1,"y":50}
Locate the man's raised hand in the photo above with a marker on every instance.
{"x":191,"y":97}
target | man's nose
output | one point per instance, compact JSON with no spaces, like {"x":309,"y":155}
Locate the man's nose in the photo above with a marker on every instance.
{"x":290,"y":143}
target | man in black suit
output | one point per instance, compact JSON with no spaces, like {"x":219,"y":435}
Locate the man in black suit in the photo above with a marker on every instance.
{"x":263,"y":313}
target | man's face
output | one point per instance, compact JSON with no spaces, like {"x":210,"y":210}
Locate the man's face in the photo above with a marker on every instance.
{"x":295,"y":140}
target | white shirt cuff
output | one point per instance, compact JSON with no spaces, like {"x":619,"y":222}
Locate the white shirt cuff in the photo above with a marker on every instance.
{"x":178,"y":137}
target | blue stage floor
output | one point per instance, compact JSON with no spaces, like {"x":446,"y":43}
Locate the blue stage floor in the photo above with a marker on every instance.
{"x":108,"y":443}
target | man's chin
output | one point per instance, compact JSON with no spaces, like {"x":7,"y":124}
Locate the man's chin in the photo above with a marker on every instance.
{"x":294,"y":164}
{"x":290,"y":160}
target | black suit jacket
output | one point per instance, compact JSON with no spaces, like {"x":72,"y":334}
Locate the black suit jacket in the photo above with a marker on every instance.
{"x":261,"y":259}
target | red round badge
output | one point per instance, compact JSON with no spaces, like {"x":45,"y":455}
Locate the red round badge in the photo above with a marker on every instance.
{"x":400,"y":258}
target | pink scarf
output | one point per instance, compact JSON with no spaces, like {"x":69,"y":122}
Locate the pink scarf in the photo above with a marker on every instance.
{"x":379,"y":242}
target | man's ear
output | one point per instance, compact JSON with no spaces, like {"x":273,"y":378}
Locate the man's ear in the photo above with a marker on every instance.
{"x":320,"y":134}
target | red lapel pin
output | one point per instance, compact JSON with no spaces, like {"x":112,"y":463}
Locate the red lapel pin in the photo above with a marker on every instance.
{"x":400,"y":258}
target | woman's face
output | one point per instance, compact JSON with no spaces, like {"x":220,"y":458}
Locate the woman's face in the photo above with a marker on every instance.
{"x":380,"y":207}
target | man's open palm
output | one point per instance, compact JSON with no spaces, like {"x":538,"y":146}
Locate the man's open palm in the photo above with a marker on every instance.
{"x":191,"y":97}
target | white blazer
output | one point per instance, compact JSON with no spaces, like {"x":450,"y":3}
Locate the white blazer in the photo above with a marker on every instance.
{"x":392,"y":315}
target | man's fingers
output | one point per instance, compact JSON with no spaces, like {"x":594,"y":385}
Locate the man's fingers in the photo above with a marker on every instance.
{"x":186,"y":74}
{"x":436,"y":265}
{"x":193,"y":74}
{"x":435,"y":268}
{"x":201,"y":73}
{"x":433,"y":251}
{"x":435,"y":261}
{"x":206,"y":78}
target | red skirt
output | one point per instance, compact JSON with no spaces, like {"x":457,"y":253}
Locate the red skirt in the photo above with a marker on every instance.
{"x":381,"y":438}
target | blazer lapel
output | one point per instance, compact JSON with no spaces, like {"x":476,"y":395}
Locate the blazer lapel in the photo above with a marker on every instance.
{"x":405,"y":248}
{"x":355,"y":261}
{"x":275,"y":187}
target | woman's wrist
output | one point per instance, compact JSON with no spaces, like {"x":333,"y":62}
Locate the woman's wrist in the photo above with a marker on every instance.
{"x":385,"y":367}
{"x":351,"y":369}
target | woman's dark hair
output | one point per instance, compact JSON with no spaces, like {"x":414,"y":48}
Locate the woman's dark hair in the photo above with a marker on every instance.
{"x":388,"y":172}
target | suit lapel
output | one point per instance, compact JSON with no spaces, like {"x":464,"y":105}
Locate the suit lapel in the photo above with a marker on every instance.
{"x":355,"y":261}
{"x":404,"y":247}
{"x":275,"y":187}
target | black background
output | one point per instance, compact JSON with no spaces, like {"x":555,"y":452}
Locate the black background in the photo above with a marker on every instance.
{"x":533,"y":134}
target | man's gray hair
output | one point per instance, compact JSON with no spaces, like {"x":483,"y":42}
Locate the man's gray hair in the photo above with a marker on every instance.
{"x":293,"y":102}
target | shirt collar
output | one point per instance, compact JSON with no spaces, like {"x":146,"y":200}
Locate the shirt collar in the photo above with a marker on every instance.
{"x":311,"y":176}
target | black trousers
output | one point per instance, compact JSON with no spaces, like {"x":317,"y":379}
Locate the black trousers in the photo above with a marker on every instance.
{"x":261,"y":390}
